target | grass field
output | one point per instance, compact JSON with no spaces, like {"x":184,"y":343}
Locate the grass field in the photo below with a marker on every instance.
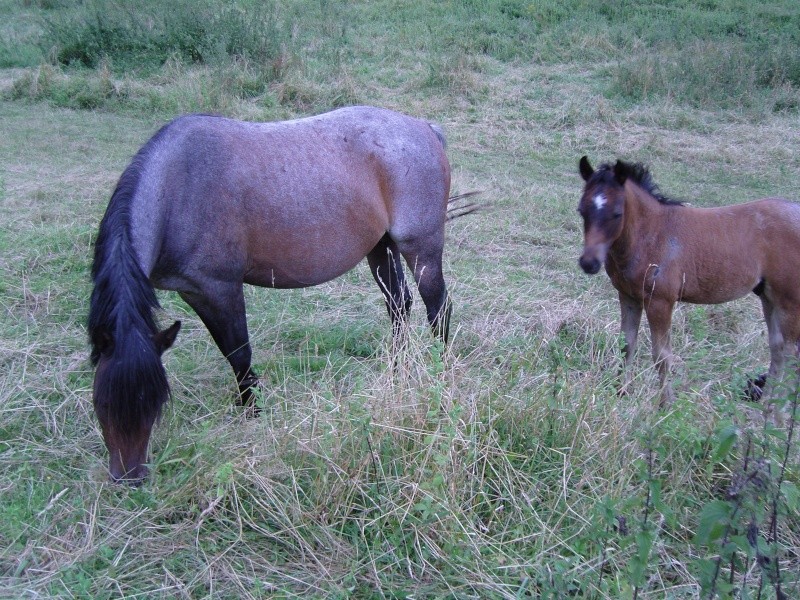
{"x":504,"y":466}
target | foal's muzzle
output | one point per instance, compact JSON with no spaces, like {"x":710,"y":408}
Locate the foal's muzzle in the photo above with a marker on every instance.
{"x":590,"y":265}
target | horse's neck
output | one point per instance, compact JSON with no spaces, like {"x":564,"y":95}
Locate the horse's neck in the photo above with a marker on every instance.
{"x":644,"y":216}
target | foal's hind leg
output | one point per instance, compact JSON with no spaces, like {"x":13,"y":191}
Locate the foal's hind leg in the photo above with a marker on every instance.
{"x":224,"y":316}
{"x":783,"y":325}
{"x":387,"y":269}
{"x":756,"y":387}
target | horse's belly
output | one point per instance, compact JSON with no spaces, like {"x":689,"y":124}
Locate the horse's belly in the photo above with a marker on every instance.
{"x":305,"y":265}
{"x":296,"y":276}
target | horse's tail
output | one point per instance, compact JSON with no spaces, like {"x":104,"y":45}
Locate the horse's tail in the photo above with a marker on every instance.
{"x":439,"y":134}
{"x":131,"y":384}
{"x":456,"y":207}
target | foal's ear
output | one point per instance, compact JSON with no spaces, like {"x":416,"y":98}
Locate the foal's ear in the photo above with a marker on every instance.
{"x":621,"y":172}
{"x":585,"y":168}
{"x":165,"y":339}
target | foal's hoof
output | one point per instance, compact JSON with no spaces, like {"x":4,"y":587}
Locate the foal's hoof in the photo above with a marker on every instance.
{"x":755,"y":388}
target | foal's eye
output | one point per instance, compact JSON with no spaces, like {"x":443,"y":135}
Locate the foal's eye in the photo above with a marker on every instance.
{"x":616,"y":215}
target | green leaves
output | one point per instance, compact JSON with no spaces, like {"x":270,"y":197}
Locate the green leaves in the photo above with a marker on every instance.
{"x":724,"y":440}
{"x":714,"y":519}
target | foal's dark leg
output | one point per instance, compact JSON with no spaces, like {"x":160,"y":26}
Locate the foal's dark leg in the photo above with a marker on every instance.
{"x":631,"y":314}
{"x":387,"y":269}
{"x":225,"y":318}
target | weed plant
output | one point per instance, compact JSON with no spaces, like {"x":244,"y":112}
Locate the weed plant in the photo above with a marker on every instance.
{"x":502,"y":466}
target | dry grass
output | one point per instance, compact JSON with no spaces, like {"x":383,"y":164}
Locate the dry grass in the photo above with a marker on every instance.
{"x":470,"y":473}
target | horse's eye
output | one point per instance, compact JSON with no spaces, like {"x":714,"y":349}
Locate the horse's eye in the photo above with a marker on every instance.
{"x":616,"y":215}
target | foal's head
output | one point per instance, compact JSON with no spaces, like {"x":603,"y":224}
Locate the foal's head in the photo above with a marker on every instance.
{"x":602,"y":207}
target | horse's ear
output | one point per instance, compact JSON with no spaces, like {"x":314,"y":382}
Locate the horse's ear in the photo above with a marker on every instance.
{"x":585,"y":168}
{"x":165,"y":339}
{"x":621,"y":172}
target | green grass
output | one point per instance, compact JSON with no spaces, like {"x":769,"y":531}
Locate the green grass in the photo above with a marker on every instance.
{"x":504,"y":467}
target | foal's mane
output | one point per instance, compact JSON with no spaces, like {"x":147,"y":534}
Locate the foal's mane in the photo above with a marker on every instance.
{"x":640,"y":174}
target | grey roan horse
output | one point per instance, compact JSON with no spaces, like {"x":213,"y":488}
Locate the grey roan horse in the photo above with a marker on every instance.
{"x":210,"y":203}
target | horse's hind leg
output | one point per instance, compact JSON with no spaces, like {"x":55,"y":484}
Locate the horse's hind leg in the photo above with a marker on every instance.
{"x":387,"y":269}
{"x":224,"y":316}
{"x":426,"y":265}
{"x":756,"y":387}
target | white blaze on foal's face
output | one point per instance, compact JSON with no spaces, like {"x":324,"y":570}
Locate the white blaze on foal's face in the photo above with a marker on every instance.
{"x":599,"y":201}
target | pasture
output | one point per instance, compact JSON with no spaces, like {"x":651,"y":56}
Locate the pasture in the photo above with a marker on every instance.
{"x":502,"y":466}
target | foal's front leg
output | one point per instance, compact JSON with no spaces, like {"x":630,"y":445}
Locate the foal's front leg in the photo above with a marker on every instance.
{"x":659,"y":317}
{"x":631,"y":312}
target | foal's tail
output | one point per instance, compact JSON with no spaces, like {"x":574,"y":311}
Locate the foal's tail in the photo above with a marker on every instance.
{"x":456,"y":207}
{"x":130,"y":383}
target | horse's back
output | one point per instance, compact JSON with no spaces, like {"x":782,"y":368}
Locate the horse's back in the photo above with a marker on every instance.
{"x":770,"y":223}
{"x":281,"y":196}
{"x":327,"y":157}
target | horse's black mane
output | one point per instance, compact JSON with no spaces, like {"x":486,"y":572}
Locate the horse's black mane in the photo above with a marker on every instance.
{"x":133,"y":386}
{"x":638,"y":173}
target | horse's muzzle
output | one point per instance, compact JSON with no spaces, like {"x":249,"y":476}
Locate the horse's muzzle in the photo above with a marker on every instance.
{"x":133,"y":478}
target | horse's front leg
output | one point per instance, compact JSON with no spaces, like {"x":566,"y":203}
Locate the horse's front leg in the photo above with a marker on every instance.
{"x":223,"y":313}
{"x":425,"y":261}
{"x":631,"y":311}
{"x":659,"y":317}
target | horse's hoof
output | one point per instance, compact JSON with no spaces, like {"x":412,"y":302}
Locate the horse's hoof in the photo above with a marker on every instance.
{"x":755,"y":388}
{"x":248,"y":399}
{"x":252,"y":411}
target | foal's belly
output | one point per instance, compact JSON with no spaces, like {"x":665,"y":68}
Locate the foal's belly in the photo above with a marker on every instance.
{"x":714,"y":287}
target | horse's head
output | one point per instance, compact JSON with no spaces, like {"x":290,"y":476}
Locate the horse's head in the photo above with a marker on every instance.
{"x":130,"y":387}
{"x":602,"y":207}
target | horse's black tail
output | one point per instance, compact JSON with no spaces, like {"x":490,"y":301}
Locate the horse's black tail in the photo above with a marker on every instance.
{"x":456,"y":207}
{"x":130,"y":383}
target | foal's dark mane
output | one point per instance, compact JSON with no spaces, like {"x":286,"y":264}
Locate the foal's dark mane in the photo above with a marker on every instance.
{"x":638,"y":173}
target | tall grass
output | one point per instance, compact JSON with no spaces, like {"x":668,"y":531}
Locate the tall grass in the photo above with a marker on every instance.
{"x":302,"y":54}
{"x":505,"y":466}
